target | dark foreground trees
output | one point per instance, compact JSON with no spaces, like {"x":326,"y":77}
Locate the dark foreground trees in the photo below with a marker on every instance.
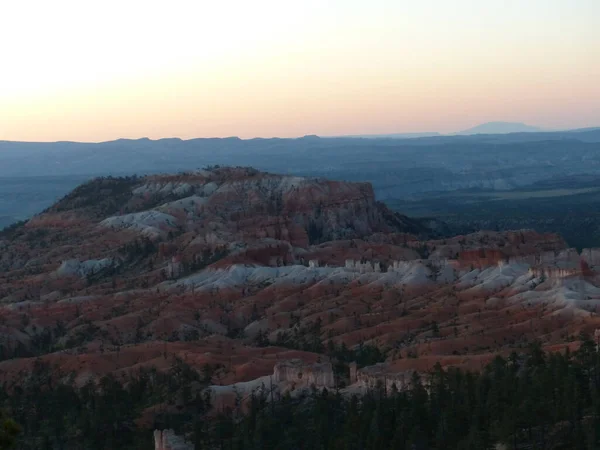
{"x":534,"y":401}
{"x":9,"y":430}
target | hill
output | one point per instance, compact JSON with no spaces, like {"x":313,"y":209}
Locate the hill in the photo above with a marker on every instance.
{"x":500,"y":128}
{"x":393,"y":135}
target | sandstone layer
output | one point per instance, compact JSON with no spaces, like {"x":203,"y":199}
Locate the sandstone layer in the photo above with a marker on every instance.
{"x":231,"y":267}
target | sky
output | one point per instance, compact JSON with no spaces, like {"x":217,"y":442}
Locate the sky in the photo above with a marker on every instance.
{"x":100,"y":70}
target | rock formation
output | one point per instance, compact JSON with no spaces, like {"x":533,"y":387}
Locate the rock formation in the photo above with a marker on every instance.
{"x":175,"y":267}
{"x":74,"y":267}
{"x":168,"y":440}
{"x":363,"y":267}
{"x":372,"y":377}
{"x":302,"y":375}
{"x":221,"y":266}
{"x":231,"y":271}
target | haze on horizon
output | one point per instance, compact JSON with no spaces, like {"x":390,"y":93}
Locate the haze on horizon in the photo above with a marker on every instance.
{"x":101,"y":70}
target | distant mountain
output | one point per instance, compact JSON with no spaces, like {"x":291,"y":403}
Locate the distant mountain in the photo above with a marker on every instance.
{"x":33,"y":175}
{"x":391,"y":135}
{"x":500,"y":128}
{"x":584,"y":130}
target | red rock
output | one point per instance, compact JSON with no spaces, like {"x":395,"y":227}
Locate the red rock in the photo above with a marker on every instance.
{"x":277,"y":223}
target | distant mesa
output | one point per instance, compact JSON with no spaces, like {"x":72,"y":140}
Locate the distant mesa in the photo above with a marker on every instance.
{"x":500,"y":128}
{"x":310,"y":136}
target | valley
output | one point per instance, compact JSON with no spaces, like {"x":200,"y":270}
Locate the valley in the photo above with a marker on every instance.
{"x":568,"y":207}
{"x":23,"y":197}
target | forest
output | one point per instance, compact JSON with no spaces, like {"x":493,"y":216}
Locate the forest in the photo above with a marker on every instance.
{"x":568,"y":207}
{"x":533,"y":400}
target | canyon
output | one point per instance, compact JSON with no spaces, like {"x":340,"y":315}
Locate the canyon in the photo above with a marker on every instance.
{"x":256,"y":275}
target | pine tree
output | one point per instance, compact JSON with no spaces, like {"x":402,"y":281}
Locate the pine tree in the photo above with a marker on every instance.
{"x":9,"y":430}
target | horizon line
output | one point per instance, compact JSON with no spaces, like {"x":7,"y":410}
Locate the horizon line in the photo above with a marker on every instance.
{"x":390,"y":135}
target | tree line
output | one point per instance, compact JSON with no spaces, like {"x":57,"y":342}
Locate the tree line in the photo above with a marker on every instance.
{"x":533,"y":400}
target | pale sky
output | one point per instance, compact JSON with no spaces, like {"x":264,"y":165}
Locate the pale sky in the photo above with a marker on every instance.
{"x":90,"y":70}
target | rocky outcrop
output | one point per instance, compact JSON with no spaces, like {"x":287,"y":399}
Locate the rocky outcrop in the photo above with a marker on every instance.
{"x":243,"y":265}
{"x":150,"y":223}
{"x":74,"y":267}
{"x":257,"y":205}
{"x":293,"y":376}
{"x":363,"y":267}
{"x":168,"y":440}
{"x":301,"y":374}
{"x":381,"y":375}
{"x":553,"y":272}
{"x":591,"y":256}
{"x":174,"y":267}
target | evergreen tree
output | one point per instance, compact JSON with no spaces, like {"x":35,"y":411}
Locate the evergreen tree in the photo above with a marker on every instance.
{"x":9,"y":430}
